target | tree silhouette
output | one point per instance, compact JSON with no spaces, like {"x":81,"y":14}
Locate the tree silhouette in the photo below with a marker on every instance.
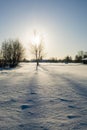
{"x":38,"y":50}
{"x":68,"y":59}
{"x":12,"y":52}
{"x":80,"y":55}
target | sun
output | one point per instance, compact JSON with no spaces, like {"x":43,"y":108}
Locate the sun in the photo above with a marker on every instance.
{"x":36,"y":39}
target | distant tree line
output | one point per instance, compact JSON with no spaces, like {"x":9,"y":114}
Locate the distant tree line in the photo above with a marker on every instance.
{"x":68,"y":59}
{"x":11,"y":53}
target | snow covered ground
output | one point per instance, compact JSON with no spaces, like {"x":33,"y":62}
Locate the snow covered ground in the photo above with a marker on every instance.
{"x":52,"y":98}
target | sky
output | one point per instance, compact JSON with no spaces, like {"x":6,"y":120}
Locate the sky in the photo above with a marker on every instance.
{"x":63,"y":23}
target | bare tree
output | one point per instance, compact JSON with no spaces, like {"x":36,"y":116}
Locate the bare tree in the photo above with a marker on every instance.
{"x":1,"y":58}
{"x":85,"y":55}
{"x":38,"y":52}
{"x":37,"y":49}
{"x":81,"y":54}
{"x":12,"y":52}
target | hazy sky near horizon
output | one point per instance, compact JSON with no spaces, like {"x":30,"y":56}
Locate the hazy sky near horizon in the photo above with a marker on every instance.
{"x":62,"y":22}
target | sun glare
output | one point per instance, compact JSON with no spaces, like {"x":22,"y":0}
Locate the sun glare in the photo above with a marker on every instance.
{"x":36,"y":39}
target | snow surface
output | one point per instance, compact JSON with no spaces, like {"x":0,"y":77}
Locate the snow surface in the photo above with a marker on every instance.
{"x":54,"y":97}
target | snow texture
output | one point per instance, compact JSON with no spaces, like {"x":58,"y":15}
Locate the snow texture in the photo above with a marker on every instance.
{"x":54,"y":97}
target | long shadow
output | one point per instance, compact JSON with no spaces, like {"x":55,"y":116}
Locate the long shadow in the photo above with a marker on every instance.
{"x":32,"y":109}
{"x":79,"y":87}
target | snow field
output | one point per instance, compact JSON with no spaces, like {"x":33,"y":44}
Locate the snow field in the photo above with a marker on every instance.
{"x":54,"y":97}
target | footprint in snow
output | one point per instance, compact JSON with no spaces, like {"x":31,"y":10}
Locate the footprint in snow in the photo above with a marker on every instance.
{"x":83,"y":124}
{"x":70,"y":106}
{"x":29,"y":100}
{"x":32,"y":93}
{"x":65,"y":100}
{"x":25,"y":107}
{"x":72,"y":116}
{"x":31,"y":113}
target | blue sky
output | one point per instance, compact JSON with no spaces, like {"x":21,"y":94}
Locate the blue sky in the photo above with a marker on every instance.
{"x":63,"y":22}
